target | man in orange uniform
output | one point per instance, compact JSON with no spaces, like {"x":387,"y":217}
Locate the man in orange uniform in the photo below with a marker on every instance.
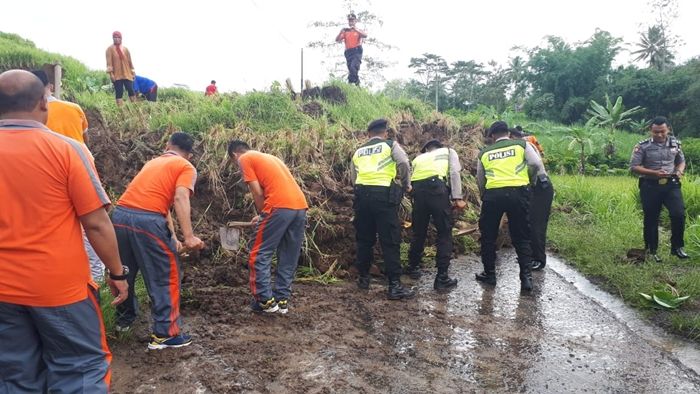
{"x":64,"y":117}
{"x":352,"y":36}
{"x":147,"y":240}
{"x":279,"y":226}
{"x":120,"y":69}
{"x":68,"y":119}
{"x":51,"y":332}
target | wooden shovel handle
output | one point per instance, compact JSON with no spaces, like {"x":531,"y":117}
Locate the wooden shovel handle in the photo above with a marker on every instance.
{"x":239,"y":224}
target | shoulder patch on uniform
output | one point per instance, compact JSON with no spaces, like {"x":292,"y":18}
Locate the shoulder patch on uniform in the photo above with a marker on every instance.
{"x":642,"y":142}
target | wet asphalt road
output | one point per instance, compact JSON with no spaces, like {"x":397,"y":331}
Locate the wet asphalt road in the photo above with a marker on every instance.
{"x":567,"y":336}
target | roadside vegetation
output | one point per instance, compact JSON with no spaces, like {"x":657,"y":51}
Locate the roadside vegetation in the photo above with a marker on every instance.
{"x":596,"y":220}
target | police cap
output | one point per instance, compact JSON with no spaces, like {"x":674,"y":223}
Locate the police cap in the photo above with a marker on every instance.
{"x":517,"y":132}
{"x":498,"y":127}
{"x":377,"y":125}
{"x":431,"y":143}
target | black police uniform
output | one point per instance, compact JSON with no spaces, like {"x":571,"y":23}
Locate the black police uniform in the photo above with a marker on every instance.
{"x":431,"y":198}
{"x":540,"y":209}
{"x":657,"y":192}
{"x":376,"y":213}
{"x":503,"y":176}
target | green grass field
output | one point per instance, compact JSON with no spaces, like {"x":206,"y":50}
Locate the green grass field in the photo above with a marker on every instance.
{"x":595,"y":220}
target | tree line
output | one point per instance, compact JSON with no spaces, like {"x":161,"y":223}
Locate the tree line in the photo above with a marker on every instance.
{"x":560,"y":81}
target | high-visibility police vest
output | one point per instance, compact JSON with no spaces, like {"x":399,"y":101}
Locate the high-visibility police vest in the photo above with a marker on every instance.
{"x":374,"y":164}
{"x":431,"y":164}
{"x":504,"y":164}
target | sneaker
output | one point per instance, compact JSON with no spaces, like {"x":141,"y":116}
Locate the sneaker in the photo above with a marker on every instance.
{"x":283,"y":306}
{"x":269,"y":306}
{"x":158,"y":343}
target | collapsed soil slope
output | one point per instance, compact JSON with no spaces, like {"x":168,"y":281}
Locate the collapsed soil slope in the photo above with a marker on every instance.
{"x":221,"y":196}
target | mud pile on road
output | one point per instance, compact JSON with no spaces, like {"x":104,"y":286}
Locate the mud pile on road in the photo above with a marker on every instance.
{"x":320,"y":163}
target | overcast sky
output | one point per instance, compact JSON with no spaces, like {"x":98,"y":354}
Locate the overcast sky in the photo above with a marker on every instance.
{"x":248,"y":44}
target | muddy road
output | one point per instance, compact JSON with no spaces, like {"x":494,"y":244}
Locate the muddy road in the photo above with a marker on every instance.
{"x":565,"y":337}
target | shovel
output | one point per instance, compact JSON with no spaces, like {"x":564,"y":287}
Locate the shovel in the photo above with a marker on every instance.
{"x":231,"y":234}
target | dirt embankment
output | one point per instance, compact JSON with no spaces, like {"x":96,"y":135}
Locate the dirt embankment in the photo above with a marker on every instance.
{"x":221,"y":197}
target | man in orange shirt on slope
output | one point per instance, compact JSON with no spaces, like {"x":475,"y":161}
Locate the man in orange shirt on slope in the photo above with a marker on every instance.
{"x":51,"y":331}
{"x":352,"y":36}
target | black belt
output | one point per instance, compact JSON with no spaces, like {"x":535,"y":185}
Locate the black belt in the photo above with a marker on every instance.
{"x":428,"y":180}
{"x":660,"y":181}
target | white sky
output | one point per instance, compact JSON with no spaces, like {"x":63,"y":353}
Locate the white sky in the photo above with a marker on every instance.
{"x":248,"y":44}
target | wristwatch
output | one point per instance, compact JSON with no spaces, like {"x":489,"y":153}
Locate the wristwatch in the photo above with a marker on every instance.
{"x":125,"y":273}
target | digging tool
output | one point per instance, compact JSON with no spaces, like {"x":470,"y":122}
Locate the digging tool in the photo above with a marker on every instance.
{"x":231,"y":234}
{"x":465,"y":231}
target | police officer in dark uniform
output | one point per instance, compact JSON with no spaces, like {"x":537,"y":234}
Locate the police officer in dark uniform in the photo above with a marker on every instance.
{"x":437,"y":189}
{"x":540,"y":207}
{"x":503,"y":174}
{"x":660,"y":163}
{"x":377,"y":198}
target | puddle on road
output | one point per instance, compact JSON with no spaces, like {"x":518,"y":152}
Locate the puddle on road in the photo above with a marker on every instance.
{"x":554,"y":339}
{"x":687,"y":353}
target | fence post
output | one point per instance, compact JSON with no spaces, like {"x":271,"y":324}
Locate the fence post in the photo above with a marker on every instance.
{"x":57,"y":81}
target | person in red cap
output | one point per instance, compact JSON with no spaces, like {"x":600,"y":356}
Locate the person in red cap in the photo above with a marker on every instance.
{"x":120,"y":69}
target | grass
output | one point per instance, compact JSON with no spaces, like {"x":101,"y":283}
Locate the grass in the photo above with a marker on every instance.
{"x":595,"y":220}
{"x":109,"y":312}
{"x":17,"y":52}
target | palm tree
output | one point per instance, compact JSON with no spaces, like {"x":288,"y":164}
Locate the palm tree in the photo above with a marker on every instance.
{"x":579,"y":138}
{"x":654,"y":48}
{"x":612,"y":117}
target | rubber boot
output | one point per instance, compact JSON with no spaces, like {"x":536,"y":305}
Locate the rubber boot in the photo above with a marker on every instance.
{"x":397,"y":292}
{"x":488,"y":277}
{"x":443,"y":281}
{"x":363,"y":282}
{"x":526,"y":276}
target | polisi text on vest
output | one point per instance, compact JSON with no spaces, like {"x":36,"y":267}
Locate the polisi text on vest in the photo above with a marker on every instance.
{"x":501,"y":155}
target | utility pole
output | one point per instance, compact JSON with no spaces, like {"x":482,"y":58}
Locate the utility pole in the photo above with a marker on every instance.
{"x":301,"y":81}
{"x":437,"y":84}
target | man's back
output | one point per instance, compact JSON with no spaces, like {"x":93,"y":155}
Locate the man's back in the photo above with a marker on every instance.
{"x":48,"y":181}
{"x":153,"y":188}
{"x":278,"y":184}
{"x":68,"y":119}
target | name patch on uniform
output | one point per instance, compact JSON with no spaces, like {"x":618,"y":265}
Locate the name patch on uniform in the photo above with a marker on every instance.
{"x":371,"y":150}
{"x":502,"y":154}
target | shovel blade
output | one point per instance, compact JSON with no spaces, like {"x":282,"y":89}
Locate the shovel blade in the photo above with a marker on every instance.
{"x":229,"y":238}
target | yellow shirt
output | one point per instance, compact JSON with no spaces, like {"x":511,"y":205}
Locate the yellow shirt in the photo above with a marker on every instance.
{"x":68,"y":119}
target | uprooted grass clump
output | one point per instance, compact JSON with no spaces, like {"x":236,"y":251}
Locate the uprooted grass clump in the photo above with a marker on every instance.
{"x":317,"y":150}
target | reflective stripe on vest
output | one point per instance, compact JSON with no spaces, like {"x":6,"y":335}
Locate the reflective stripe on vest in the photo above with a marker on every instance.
{"x":431,"y":164}
{"x":374,"y":164}
{"x":504,"y":164}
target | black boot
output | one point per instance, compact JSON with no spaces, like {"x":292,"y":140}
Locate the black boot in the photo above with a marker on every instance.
{"x":413,"y":272}
{"x":526,"y":276}
{"x":488,"y":277}
{"x":654,"y":256}
{"x":443,"y":281}
{"x":397,"y":292}
{"x":363,"y":282}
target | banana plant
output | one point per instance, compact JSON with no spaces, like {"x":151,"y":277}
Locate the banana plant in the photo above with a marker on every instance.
{"x":579,"y":138}
{"x":611,"y":117}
